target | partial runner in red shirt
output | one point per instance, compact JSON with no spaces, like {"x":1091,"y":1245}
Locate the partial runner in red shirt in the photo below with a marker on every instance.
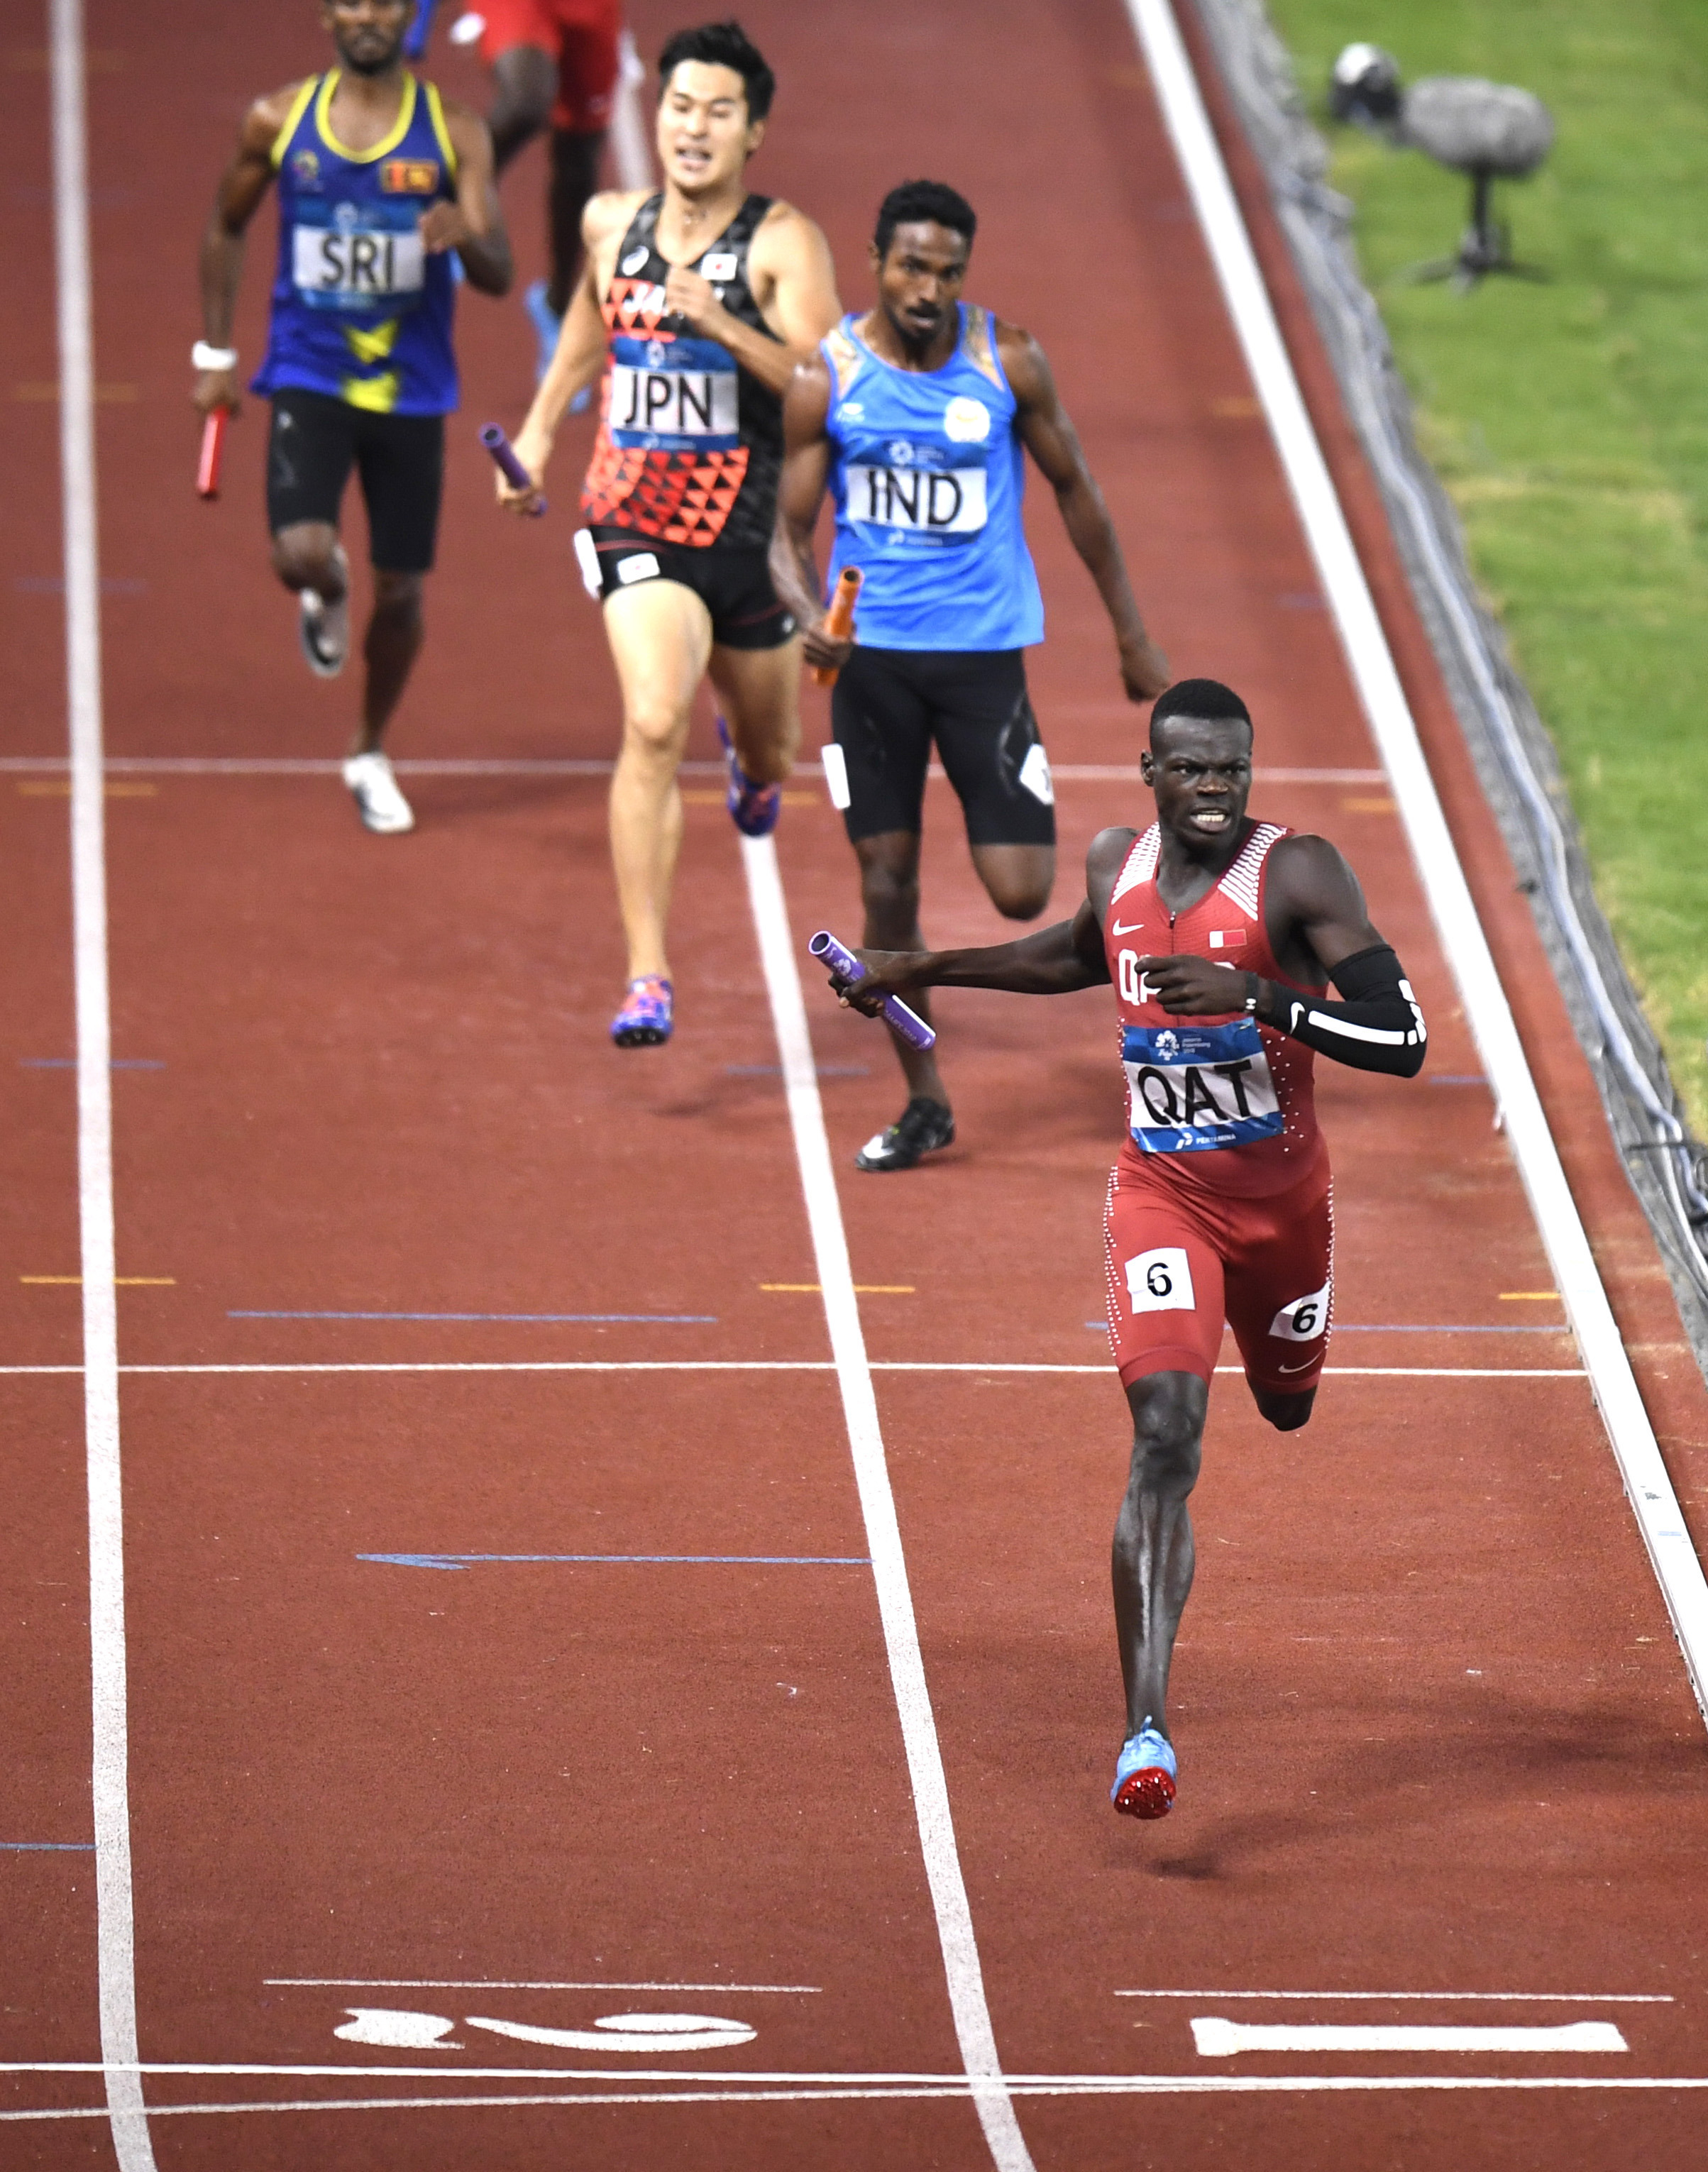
{"x":554,"y":63}
{"x":1219,"y":935}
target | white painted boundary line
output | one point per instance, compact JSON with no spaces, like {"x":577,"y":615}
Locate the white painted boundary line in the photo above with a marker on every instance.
{"x":931,"y":1794}
{"x":1435,"y":1998}
{"x":115,"y":1954}
{"x":1466,"y":948}
{"x":740,"y":2087}
{"x":810,"y":1365}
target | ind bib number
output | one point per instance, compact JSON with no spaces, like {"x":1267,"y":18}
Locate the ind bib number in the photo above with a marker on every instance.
{"x":921,"y":501}
{"x":343,"y":266}
{"x":1198,"y":1088}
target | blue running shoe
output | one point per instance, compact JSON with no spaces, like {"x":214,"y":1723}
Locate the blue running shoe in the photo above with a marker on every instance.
{"x":753,"y":808}
{"x":1145,"y":1775}
{"x":645,"y":1019}
{"x":547,"y":325}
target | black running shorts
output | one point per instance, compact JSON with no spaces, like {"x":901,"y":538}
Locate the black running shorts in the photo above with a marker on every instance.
{"x":734,"y":584}
{"x":891,"y":704}
{"x":314,"y":443}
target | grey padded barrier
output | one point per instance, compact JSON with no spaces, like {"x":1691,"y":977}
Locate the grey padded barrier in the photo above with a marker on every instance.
{"x":1515,"y":759}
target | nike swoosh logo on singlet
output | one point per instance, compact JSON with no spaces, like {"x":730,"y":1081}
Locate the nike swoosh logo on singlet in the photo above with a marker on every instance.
{"x":1137,"y":928}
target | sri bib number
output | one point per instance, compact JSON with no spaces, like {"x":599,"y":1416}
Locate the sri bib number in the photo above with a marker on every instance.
{"x":923,"y":500}
{"x":353,"y":267}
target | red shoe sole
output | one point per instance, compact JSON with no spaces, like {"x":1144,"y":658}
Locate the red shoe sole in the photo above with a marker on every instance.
{"x":1148,"y":1792}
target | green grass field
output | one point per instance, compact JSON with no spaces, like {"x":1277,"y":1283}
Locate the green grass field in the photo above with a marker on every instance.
{"x":1569,"y":420}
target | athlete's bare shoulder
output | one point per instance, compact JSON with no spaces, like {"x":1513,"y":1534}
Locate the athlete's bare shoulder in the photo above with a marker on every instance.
{"x":1310,"y":869}
{"x":604,"y":223}
{"x":1024,"y":362}
{"x":792,"y":276}
{"x":807,"y":395}
{"x":1105,"y":858}
{"x":268,"y":115}
{"x":784,"y":226}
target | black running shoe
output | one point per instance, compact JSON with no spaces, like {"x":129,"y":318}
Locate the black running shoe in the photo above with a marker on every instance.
{"x":922,"y":1128}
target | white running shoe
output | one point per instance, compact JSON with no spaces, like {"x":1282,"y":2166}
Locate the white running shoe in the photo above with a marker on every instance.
{"x":374,"y":785}
{"x":323,"y":628}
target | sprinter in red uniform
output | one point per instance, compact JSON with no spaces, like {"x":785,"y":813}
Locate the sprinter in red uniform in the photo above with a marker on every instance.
{"x":1219,"y":934}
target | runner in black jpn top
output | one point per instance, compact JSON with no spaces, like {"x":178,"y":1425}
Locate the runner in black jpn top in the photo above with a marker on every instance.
{"x":697,"y":303}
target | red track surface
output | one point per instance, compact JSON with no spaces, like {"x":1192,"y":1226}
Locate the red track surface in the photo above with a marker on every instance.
{"x":1434,"y":1734}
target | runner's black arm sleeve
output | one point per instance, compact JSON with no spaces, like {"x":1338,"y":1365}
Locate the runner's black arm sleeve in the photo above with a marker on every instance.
{"x":1378,"y":1028}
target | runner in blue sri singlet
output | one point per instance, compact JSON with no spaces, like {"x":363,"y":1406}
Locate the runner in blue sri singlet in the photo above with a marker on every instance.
{"x":361,"y":312}
{"x":385,"y":195}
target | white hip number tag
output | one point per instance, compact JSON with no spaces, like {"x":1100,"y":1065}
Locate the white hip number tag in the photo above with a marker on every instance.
{"x":1161,"y":1281}
{"x":1306,"y":1319}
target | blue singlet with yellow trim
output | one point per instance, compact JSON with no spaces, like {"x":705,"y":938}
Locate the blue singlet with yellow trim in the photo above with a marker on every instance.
{"x":360,"y":311}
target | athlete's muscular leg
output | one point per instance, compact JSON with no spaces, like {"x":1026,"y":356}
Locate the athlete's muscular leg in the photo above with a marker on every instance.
{"x":1017,"y":877}
{"x":395,"y":632}
{"x":660,"y":637}
{"x":889,"y":890}
{"x":306,"y":556}
{"x":526,"y":78}
{"x":1286,"y":1413}
{"x":575,"y":167}
{"x":1152,"y":1557}
{"x":758,"y":691}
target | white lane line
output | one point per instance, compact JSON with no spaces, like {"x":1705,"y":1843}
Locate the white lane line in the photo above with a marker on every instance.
{"x":1463,"y":943}
{"x":497,"y":1983}
{"x":808,"y":1365}
{"x":930,"y":1794}
{"x":759,"y":2088}
{"x":1435,"y":1998}
{"x":1216,"y":2039}
{"x":114,"y":1934}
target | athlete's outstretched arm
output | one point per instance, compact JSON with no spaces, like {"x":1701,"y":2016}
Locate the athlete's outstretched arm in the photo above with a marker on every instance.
{"x":579,"y":355}
{"x":236,"y":200}
{"x":794,"y":566}
{"x":1318,"y":916}
{"x":474,"y":225}
{"x":1054,"y":442}
{"x":1055,"y":962}
{"x":794,"y":282}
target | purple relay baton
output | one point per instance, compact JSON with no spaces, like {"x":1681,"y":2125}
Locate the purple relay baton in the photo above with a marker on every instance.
{"x":913,"y":1029}
{"x":504,"y":458}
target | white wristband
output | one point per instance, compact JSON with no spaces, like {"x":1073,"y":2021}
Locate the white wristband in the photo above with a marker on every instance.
{"x":204,"y":357}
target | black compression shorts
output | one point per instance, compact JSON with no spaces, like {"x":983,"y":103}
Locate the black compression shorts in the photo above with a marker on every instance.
{"x":314,"y":443}
{"x":733,"y":583}
{"x":890,"y":705}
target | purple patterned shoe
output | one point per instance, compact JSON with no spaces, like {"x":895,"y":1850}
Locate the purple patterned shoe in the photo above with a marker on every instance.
{"x":645,"y":1019}
{"x":753,"y":808}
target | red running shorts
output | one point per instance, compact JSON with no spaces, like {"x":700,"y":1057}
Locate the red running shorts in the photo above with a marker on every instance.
{"x":1181,"y":1259}
{"x":581,"y":37}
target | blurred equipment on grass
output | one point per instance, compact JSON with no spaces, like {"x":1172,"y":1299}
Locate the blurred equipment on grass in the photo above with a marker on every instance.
{"x":1489,"y":131}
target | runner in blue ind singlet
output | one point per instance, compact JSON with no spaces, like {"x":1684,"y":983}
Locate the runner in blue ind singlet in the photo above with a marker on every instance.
{"x":915,"y":417}
{"x":380,"y":182}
